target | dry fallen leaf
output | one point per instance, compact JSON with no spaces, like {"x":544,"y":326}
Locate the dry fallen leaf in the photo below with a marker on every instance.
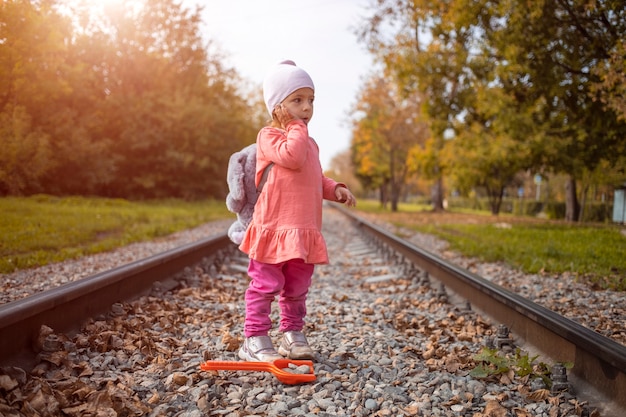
{"x":554,"y":411}
{"x":231,"y":342}
{"x":367,"y":311}
{"x":494,"y":409}
{"x":521,"y":412}
{"x":411,"y":410}
{"x":429,"y":353}
{"x":7,"y":383}
{"x":154,"y":399}
{"x":539,"y":395}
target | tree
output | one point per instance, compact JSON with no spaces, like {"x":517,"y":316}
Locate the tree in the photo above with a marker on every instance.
{"x":610,"y":86}
{"x":558,"y":43}
{"x":368,"y":145}
{"x":386,"y":126}
{"x":425,"y":58}
{"x":490,"y":146}
{"x":32,"y":76}
{"x":484,"y":158}
{"x":174,"y":113}
{"x":341,"y":167}
{"x":24,"y":153}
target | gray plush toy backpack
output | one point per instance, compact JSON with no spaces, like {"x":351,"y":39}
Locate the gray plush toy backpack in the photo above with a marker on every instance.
{"x":243,"y":192}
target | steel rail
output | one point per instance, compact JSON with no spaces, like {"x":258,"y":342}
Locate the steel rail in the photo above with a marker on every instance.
{"x":66,"y":307}
{"x":597,"y":360}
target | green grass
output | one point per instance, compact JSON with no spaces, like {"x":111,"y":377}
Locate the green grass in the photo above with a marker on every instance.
{"x":593,"y":253}
{"x":373,"y":206}
{"x":42,"y":229}
{"x":590,"y":252}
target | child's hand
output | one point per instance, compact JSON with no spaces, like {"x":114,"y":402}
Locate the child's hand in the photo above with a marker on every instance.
{"x":345,"y":196}
{"x":283,"y":115}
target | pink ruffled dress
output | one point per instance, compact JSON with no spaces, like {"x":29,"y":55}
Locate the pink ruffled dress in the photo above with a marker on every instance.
{"x":287,"y":218}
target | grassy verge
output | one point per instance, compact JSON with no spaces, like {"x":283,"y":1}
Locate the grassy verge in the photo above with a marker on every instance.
{"x":42,"y":229}
{"x":594,"y":253}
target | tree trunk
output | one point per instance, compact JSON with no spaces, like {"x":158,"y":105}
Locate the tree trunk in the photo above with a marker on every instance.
{"x":395,"y":195}
{"x":384,"y":198}
{"x":572,"y":208}
{"x":583,"y":203}
{"x":495,"y":200}
{"x":436,"y":195}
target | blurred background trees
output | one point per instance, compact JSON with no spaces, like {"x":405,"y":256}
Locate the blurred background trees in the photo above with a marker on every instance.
{"x":469,"y":98}
{"x":509,"y":87}
{"x":122,"y":102}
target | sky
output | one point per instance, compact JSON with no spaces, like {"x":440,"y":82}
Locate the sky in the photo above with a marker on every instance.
{"x":318,"y":35}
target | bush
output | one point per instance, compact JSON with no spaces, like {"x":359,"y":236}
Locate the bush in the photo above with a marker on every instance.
{"x":592,"y":212}
{"x":598,"y":212}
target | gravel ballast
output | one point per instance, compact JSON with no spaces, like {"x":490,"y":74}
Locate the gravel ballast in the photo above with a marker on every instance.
{"x":388,"y":347}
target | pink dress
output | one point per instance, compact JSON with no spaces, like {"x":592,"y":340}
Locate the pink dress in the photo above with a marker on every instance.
{"x":287,"y":218}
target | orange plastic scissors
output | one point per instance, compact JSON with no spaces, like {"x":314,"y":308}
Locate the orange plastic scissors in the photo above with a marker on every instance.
{"x":277,"y":368}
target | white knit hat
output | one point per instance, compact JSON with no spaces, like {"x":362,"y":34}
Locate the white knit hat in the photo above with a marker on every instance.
{"x":283,"y":80}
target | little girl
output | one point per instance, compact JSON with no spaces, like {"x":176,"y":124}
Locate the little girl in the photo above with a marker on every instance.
{"x":284,"y":239}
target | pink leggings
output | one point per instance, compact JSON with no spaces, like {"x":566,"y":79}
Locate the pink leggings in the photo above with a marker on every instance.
{"x":289,"y":280}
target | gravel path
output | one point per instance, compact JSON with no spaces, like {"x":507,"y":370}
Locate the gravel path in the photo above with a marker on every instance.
{"x":385,"y":348}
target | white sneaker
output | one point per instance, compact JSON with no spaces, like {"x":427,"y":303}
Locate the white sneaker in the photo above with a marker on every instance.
{"x":295,"y":346}
{"x":258,"y":349}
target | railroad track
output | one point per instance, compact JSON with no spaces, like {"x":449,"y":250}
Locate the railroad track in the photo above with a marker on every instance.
{"x":66,"y":307}
{"x":597,"y":361}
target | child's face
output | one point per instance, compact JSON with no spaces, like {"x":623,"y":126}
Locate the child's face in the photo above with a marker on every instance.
{"x":300,"y":104}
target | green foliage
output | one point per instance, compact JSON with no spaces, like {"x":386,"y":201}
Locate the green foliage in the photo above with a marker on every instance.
{"x":490,"y":363}
{"x":526,"y":207}
{"x":115,"y":99}
{"x":24,"y":154}
{"x":493,"y":362}
{"x":43,"y":229}
{"x":555,"y":210}
{"x":594,"y":212}
{"x":598,"y":212}
{"x":611,"y":83}
{"x":372,"y":206}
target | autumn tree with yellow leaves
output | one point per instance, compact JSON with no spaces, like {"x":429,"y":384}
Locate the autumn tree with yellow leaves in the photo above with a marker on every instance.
{"x":509,"y":86}
{"x":386,"y":126}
